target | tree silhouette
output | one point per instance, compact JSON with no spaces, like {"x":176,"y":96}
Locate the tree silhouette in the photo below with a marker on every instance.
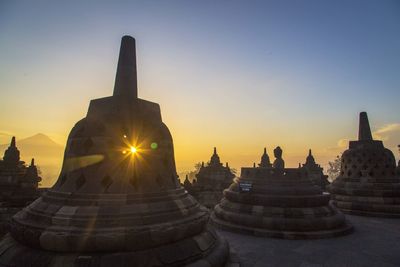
{"x":334,"y":168}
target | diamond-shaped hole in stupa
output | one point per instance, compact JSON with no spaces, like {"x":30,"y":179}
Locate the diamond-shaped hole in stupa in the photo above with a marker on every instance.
{"x":117,"y":201}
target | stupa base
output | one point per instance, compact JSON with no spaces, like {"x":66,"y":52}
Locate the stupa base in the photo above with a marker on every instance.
{"x":347,"y":228}
{"x":189,"y":252}
{"x":368,"y":209}
{"x":5,"y":216}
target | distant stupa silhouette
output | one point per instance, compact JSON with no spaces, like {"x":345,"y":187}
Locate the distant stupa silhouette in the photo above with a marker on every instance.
{"x":368,"y":183}
{"x":117,"y":201}
{"x":211,"y":180}
{"x":18,"y":184}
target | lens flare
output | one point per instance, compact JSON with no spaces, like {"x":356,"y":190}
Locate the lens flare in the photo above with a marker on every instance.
{"x":133,"y":150}
{"x":154,"y":145}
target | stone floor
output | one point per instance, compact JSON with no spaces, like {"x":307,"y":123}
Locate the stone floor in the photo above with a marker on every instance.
{"x":375,"y":242}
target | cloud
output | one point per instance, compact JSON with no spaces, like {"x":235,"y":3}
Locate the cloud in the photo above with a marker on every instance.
{"x":387,"y":132}
{"x":390,"y":134}
{"x":5,"y":134}
{"x":343,"y":143}
{"x":5,"y":137}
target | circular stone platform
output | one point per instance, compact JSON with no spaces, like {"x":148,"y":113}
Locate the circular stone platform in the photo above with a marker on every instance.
{"x":281,"y":203}
{"x":204,"y":249}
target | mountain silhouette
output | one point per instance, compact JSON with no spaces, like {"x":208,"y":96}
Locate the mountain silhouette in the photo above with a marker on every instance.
{"x":47,"y":153}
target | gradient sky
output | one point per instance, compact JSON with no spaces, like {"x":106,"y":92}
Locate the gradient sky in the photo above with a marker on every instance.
{"x":239,"y":75}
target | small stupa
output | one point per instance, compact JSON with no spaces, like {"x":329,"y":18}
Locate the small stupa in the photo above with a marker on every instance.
{"x":367,"y":183}
{"x":18,"y":184}
{"x":265,"y":161}
{"x":278,"y":202}
{"x":315,"y":172}
{"x":211,"y":180}
{"x":117,"y":201}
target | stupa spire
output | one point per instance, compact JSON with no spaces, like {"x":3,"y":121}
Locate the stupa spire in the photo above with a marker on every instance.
{"x":364,"y":131}
{"x":215,"y":158}
{"x":126,"y":77}
{"x":12,"y":144}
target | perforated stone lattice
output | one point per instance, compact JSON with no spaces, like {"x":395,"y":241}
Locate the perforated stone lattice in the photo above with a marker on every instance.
{"x":361,"y":163}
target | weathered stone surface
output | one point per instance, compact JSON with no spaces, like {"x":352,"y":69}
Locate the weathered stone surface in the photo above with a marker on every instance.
{"x":180,"y":253}
{"x":374,"y":243}
{"x":117,"y":199}
{"x":18,"y":185}
{"x":210,"y":182}
{"x":368,"y":183}
{"x":278,"y":202}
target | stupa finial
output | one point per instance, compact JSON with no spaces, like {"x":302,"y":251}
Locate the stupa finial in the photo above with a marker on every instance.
{"x":265,"y":150}
{"x":33,"y":162}
{"x":215,"y":150}
{"x":126,"y":77}
{"x":12,"y":142}
{"x":364,"y":131}
{"x":309,"y":153}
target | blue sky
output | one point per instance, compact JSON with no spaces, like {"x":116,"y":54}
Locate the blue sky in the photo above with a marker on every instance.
{"x":239,"y":75}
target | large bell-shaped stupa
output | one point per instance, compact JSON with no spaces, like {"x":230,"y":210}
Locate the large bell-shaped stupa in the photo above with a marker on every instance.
{"x":368,"y":183}
{"x":117,"y":201}
{"x":275,"y":201}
